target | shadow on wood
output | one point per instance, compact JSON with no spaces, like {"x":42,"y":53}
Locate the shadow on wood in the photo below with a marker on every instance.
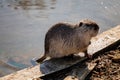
{"x":53,"y":65}
{"x":69,"y":71}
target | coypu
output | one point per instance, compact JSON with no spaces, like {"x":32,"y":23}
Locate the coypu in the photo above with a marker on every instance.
{"x":65,"y":39}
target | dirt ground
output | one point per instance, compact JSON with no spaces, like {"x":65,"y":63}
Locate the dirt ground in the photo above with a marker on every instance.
{"x":108,"y":67}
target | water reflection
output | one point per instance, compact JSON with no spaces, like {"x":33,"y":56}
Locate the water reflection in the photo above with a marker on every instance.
{"x":23,"y":24}
{"x":32,"y":4}
{"x":26,"y":4}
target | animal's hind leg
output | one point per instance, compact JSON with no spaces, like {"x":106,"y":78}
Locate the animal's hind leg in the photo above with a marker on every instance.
{"x":41,"y":59}
{"x":87,"y":55}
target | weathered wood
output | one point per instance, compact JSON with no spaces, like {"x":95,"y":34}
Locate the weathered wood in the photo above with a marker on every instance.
{"x":78,"y":72}
{"x":104,"y":39}
{"x":98,"y":43}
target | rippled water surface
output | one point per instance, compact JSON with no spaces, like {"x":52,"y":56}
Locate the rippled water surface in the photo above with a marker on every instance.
{"x":23,"y":24}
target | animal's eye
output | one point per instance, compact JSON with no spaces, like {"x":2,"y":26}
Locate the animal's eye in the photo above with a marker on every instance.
{"x":88,"y":25}
{"x":80,"y":24}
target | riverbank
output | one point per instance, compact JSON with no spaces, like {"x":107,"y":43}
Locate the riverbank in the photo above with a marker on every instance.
{"x":100,"y":42}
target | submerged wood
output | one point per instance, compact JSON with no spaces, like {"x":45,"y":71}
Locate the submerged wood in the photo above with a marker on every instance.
{"x":99,"y":45}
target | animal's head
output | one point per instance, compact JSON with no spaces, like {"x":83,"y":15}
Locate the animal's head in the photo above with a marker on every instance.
{"x":89,"y":26}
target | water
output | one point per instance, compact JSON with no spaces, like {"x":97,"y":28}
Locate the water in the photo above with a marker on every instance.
{"x":23,"y":24}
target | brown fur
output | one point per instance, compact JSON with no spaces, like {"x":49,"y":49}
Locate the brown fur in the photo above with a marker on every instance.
{"x":64,"y":39}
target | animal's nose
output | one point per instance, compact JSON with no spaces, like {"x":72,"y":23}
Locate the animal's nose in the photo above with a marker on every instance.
{"x":96,"y":27}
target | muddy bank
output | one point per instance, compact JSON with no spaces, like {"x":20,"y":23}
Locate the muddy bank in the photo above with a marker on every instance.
{"x":108,"y":67}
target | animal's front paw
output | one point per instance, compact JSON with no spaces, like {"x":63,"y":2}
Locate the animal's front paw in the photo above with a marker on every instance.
{"x":88,"y":55}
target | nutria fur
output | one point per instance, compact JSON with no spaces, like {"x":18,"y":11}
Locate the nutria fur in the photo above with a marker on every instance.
{"x":64,"y":39}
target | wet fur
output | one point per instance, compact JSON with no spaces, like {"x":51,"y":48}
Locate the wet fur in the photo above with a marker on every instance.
{"x":64,"y":39}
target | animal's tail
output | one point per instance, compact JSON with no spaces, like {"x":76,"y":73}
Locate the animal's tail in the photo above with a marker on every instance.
{"x":41,"y":59}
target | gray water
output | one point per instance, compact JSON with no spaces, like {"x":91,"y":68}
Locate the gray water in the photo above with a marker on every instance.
{"x":23,"y":24}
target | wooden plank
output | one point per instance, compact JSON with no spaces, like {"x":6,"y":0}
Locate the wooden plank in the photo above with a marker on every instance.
{"x":81,"y":73}
{"x":98,"y":43}
{"x":104,"y":39}
{"x":76,"y":72}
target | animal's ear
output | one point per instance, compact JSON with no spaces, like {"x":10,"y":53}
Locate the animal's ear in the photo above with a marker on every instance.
{"x":80,"y":24}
